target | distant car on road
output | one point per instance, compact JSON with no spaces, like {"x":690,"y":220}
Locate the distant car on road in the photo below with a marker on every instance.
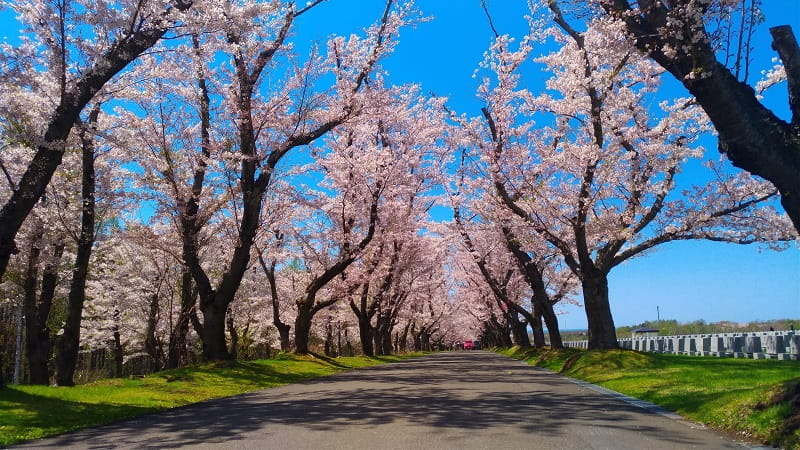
{"x":468,"y":345}
{"x":476,"y":345}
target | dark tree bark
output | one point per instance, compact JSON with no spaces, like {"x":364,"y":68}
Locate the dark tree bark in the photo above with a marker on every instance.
{"x":602,"y":333}
{"x":752,"y":136}
{"x":151,"y":342}
{"x":403,"y":347}
{"x":519,"y":330}
{"x":302,"y":327}
{"x":39,"y":344}
{"x":38,"y":376}
{"x":215,"y":347}
{"x":234,"y":336}
{"x":140,"y":36}
{"x":538,"y":330}
{"x":328,"y":346}
{"x":68,"y":345}
{"x":366,"y":335}
{"x":177,"y":351}
{"x":283,"y":328}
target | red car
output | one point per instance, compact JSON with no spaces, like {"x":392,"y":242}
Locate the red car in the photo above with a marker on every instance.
{"x":468,"y":345}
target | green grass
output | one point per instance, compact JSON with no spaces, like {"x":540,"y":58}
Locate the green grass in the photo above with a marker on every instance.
{"x":30,"y":412}
{"x":754,"y":398}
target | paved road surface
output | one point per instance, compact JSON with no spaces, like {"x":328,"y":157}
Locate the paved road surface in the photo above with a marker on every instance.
{"x":458,"y":400}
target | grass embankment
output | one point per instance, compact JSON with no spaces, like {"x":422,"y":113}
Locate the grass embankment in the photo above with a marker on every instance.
{"x":30,"y":412}
{"x":759,"y":399}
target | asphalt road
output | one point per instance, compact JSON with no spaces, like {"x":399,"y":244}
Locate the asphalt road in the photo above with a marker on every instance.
{"x":456,"y":400}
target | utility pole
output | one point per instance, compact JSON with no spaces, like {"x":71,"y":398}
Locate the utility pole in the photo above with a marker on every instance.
{"x":658,"y":314}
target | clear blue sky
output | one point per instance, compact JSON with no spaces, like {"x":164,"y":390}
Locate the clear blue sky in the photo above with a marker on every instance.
{"x":686,"y":280}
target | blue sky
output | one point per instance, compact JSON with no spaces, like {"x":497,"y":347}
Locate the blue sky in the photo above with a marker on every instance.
{"x":686,"y":280}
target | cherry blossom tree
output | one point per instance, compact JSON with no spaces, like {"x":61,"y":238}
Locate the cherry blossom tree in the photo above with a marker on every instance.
{"x":682,"y":37}
{"x":267,"y":120}
{"x":598,"y":179}
{"x":70,"y":51}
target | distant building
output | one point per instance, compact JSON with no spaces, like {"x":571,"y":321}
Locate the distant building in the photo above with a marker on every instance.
{"x":644,"y":332}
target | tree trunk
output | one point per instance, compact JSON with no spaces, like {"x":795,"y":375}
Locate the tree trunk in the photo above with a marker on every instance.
{"x":329,"y":340}
{"x":376,"y":341}
{"x":339,"y":340}
{"x":234,"y":336}
{"x":366,"y":335}
{"x":541,"y":302}
{"x":417,"y":339}
{"x":538,"y":330}
{"x":283,"y":332}
{"x":213,"y":333}
{"x":68,"y":345}
{"x":404,"y":339}
{"x":602,"y":333}
{"x":283,"y":328}
{"x":425,"y":342}
{"x":386,"y":341}
{"x":150,"y":340}
{"x":519,"y":330}
{"x":177,"y":336}
{"x":118,"y":352}
{"x":302,"y":328}
{"x":551,"y":321}
{"x":37,"y":364}
{"x":348,"y":345}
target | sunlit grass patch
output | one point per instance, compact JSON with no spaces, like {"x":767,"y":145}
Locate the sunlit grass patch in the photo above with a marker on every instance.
{"x":755,"y":398}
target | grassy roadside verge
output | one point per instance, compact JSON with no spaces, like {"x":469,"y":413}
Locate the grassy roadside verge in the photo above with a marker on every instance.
{"x":757,"y":399}
{"x":30,"y":412}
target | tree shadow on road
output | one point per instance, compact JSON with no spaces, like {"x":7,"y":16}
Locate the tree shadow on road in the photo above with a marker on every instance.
{"x":484,"y":392}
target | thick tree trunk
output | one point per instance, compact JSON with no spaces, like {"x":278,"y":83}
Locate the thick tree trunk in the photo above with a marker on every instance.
{"x":519,"y":332}
{"x":36,"y":364}
{"x":417,"y":339}
{"x":213,"y":333}
{"x":302,"y":328}
{"x":376,"y":341}
{"x":366,"y":335}
{"x":283,"y":334}
{"x":386,"y":342}
{"x":602,"y":333}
